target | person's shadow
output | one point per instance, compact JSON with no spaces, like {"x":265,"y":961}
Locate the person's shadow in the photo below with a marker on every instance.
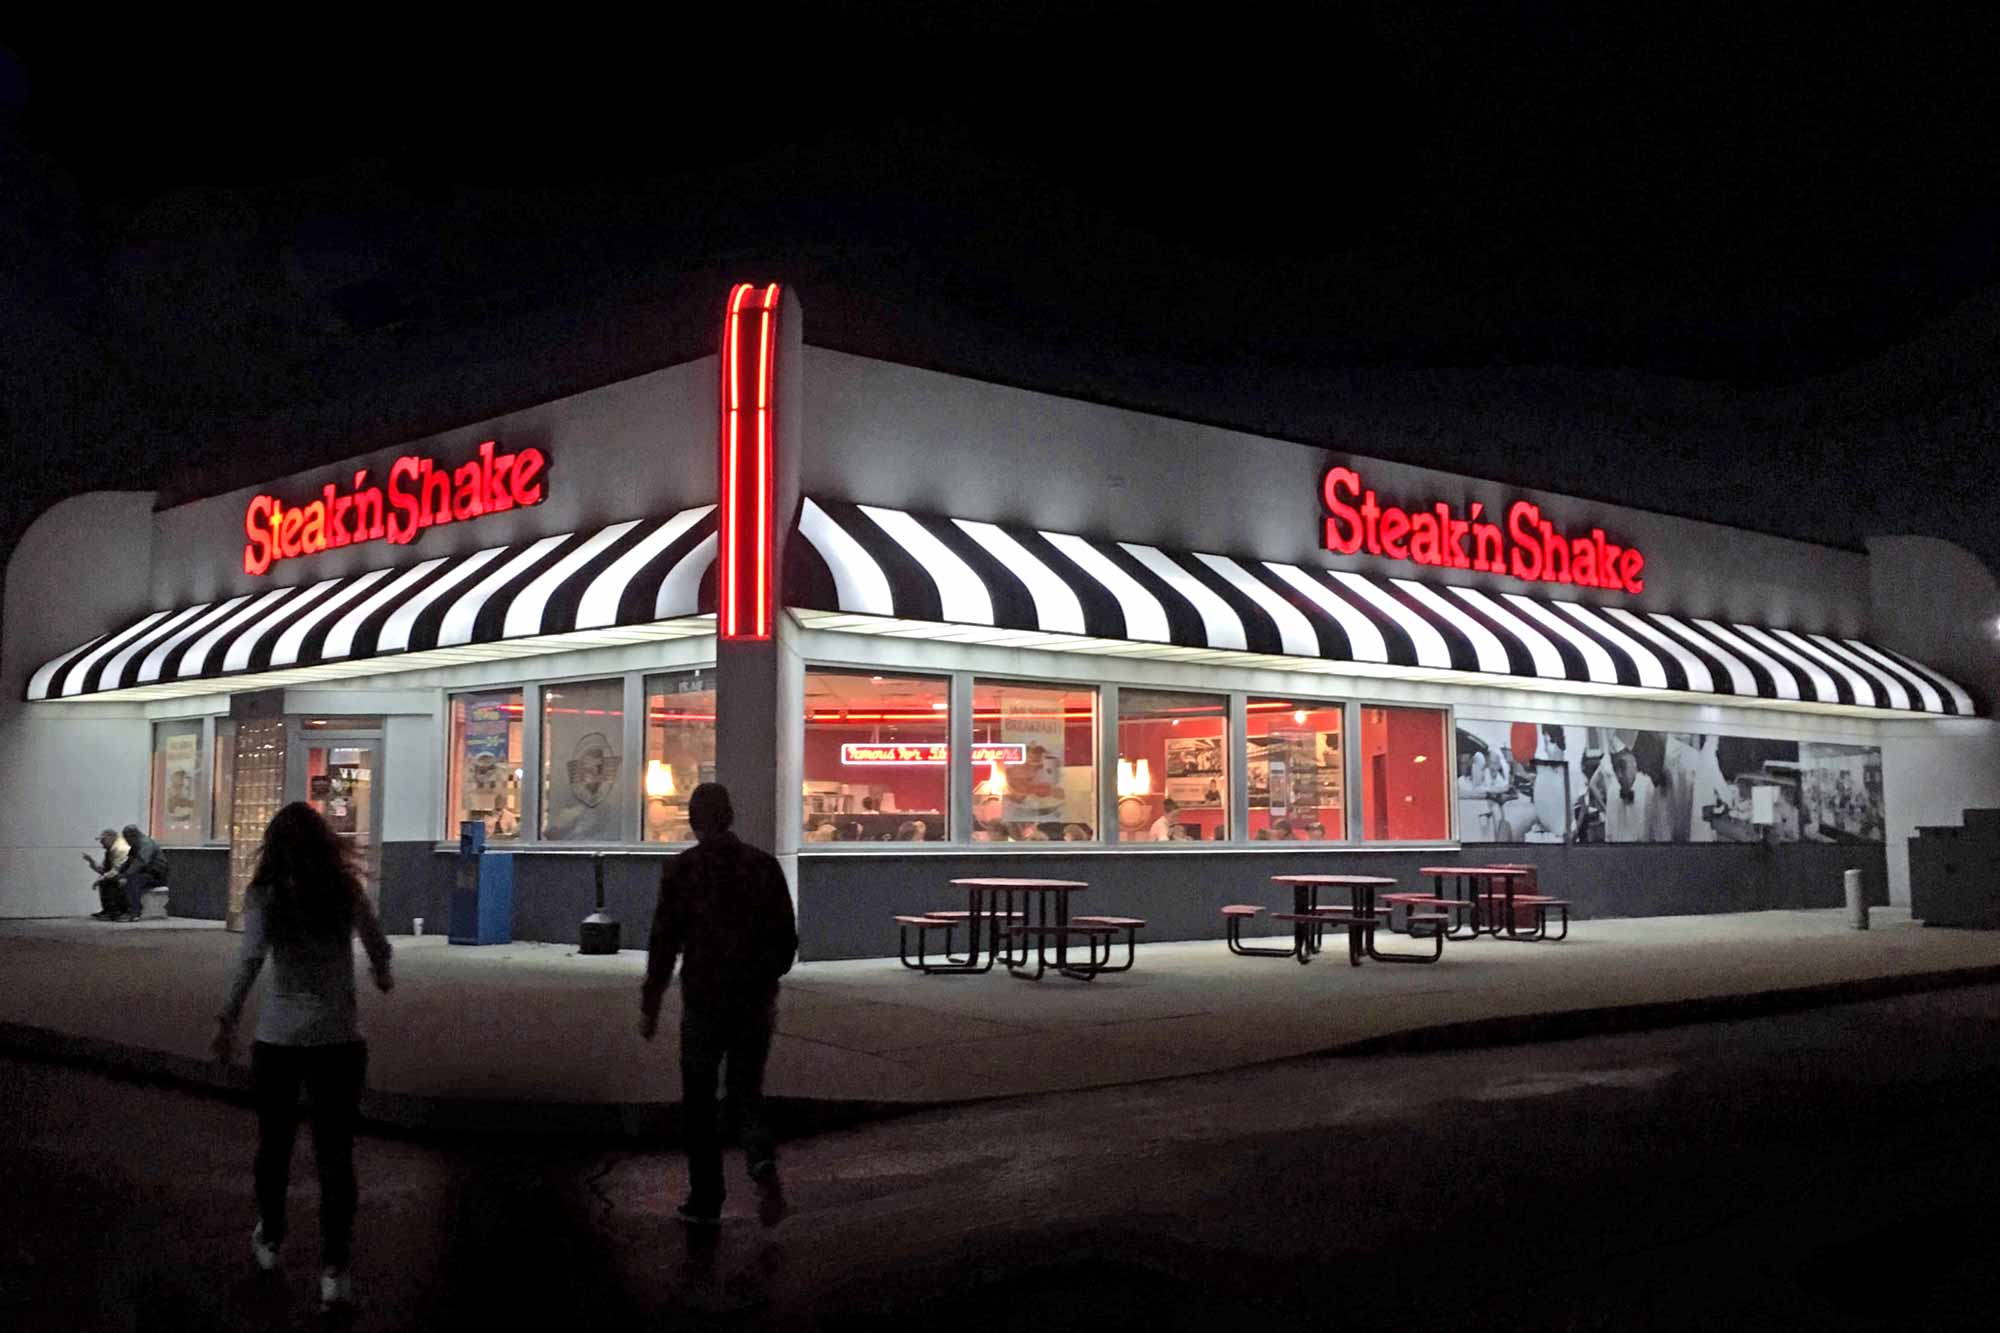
{"x":728,"y":1268}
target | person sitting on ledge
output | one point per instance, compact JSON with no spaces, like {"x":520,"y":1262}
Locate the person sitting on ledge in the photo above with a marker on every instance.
{"x":110,"y":893}
{"x":145,"y":868}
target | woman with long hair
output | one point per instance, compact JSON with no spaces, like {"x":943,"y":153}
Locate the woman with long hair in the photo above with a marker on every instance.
{"x":304,"y":907}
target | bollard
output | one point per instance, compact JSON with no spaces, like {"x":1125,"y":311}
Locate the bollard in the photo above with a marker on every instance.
{"x":1857,"y":901}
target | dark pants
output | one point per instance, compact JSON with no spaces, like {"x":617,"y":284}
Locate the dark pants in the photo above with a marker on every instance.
{"x":136,"y":885}
{"x":736,"y":1035}
{"x":332,"y":1077}
{"x":111,"y":895}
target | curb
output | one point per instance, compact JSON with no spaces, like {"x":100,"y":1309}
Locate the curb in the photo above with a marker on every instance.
{"x":658,"y":1123}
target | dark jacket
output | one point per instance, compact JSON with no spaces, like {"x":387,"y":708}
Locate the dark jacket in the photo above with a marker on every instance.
{"x":726,"y":915}
{"x":145,"y":858}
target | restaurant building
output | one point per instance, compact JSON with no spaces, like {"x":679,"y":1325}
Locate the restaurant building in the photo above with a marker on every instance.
{"x":926,"y":626}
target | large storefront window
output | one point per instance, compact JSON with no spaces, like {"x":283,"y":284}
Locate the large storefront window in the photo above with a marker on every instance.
{"x":1173,"y":766}
{"x":1406,"y":776}
{"x":1034,"y":763}
{"x":1298,"y":770}
{"x":680,"y":751}
{"x":583,"y":726}
{"x":176,"y":806}
{"x":486,"y":762}
{"x":875,"y":757}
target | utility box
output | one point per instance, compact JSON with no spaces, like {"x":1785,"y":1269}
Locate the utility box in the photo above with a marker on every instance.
{"x":482,"y":895}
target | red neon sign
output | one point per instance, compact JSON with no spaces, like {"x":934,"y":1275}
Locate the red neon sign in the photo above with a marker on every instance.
{"x":929,"y":754}
{"x":747,"y":466}
{"x":420,"y":494}
{"x":1527,"y":547}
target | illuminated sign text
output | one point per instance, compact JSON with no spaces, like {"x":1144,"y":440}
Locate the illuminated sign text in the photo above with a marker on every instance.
{"x":1527,"y":546}
{"x":928,"y":753}
{"x":419,"y":494}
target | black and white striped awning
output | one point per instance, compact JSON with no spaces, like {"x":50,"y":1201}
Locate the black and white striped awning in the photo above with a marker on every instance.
{"x":864,"y":560}
{"x":570,"y":590}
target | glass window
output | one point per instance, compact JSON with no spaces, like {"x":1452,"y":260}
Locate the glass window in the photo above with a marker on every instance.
{"x":875,"y":757}
{"x":680,"y":751}
{"x":176,"y":806}
{"x":1034,"y":763}
{"x":1405,"y":775}
{"x":1297,"y":770}
{"x":1173,"y":772}
{"x":486,"y":762}
{"x":222,"y":781}
{"x":583,"y":729}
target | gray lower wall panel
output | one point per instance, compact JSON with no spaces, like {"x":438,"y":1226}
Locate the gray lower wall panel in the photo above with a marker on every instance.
{"x":198,"y":882}
{"x":553,"y":892}
{"x":845,"y":902}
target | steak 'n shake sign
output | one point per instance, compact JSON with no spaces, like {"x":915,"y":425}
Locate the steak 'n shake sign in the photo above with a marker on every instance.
{"x":419,"y":493}
{"x":1523,"y":544}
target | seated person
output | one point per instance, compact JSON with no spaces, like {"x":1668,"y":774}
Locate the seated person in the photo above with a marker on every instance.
{"x":912,"y":830}
{"x":819,"y":829}
{"x":1076,"y":833}
{"x":110,"y":894}
{"x":145,"y":867}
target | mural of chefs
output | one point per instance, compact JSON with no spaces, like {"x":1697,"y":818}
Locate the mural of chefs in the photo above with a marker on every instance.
{"x":1541,"y":782}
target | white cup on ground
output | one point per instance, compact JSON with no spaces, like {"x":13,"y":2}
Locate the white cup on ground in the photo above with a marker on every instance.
{"x":416,"y":925}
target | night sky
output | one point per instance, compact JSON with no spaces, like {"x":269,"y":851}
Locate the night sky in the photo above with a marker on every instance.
{"x":1762,"y":239}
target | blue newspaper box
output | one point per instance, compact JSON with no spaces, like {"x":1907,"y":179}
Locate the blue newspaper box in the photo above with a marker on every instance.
{"x":482,"y":895}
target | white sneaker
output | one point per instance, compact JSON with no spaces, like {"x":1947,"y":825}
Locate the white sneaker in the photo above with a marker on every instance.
{"x":261,"y":1250}
{"x":336,"y":1290}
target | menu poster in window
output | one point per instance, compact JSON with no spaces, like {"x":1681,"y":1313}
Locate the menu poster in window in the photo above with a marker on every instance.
{"x":485,"y":741}
{"x":1257,"y":773}
{"x":1301,"y":769}
{"x":1194,"y":772}
{"x":1035,"y":785}
{"x":183,"y":756}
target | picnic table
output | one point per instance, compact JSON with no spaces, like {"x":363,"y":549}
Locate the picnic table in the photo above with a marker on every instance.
{"x":1044,"y":916}
{"x":1310,"y":918}
{"x":1491,"y":897}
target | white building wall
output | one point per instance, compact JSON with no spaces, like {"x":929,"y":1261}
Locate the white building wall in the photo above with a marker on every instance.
{"x":1937,"y":603}
{"x":81,"y":568}
{"x":1931,"y":774}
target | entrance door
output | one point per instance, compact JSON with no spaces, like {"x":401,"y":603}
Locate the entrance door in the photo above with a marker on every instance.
{"x":341,"y":777}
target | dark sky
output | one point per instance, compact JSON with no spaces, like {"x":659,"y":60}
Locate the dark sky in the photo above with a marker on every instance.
{"x":1742,"y":227}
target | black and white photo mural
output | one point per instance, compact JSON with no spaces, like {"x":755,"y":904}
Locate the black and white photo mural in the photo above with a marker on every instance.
{"x":1522,"y":782}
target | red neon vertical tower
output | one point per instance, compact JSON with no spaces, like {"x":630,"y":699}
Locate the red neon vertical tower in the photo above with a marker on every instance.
{"x":746,"y":468}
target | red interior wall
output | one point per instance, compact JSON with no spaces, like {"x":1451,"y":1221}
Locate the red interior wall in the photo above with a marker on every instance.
{"x":1404,"y":782}
{"x":1147,"y":739}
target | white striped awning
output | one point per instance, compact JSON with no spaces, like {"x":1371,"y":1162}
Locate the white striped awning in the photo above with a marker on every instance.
{"x":863,"y":560}
{"x":619,"y":584}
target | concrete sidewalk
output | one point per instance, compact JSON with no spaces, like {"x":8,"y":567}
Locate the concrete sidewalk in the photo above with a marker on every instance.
{"x":535,"y":1038}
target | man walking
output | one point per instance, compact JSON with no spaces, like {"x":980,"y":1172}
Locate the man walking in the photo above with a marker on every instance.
{"x":726,"y":915}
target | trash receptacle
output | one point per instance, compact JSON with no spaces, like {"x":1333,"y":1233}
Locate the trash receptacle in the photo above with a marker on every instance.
{"x":482,"y":896}
{"x":1857,"y":900}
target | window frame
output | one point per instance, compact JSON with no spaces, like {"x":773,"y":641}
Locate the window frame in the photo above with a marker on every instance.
{"x":959,"y":840}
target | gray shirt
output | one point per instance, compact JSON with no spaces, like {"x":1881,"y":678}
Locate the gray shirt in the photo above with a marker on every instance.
{"x":312,"y":981}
